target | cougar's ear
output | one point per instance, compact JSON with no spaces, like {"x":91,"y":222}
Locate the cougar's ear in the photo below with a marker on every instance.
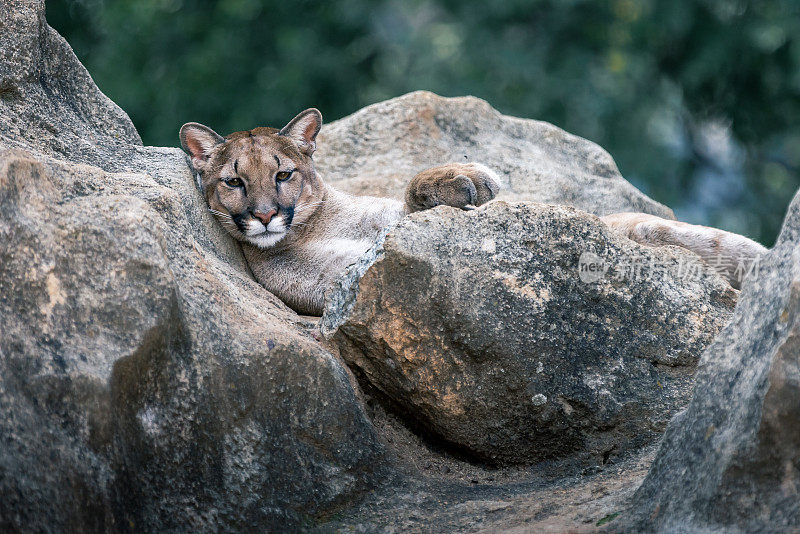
{"x":198,"y":140}
{"x":303,"y":130}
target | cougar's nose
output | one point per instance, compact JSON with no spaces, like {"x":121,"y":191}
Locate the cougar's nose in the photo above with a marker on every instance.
{"x":264,"y":217}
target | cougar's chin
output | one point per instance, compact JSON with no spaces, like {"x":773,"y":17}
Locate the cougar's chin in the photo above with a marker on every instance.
{"x":265,"y":236}
{"x":266,"y":239}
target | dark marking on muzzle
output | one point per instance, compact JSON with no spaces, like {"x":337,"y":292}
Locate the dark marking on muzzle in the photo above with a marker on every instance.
{"x":239,"y":221}
{"x":289,"y":215}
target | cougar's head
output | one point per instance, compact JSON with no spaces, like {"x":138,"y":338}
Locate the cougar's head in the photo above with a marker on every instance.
{"x":261,"y":183}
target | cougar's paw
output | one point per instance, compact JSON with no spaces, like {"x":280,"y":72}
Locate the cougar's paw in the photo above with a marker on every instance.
{"x":461,"y":185}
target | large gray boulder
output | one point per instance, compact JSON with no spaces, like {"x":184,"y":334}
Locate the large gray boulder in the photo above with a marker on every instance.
{"x":48,"y":100}
{"x":145,"y":379}
{"x":147,"y":383}
{"x":377,"y":150}
{"x":731,"y":461}
{"x":481,"y":326}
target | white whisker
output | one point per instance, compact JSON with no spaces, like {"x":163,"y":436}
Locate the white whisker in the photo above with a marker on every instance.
{"x":220,"y":214}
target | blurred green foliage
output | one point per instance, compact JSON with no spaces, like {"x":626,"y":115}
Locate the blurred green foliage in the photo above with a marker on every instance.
{"x":697,"y":100}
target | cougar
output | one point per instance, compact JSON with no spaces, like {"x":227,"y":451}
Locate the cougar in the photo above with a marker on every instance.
{"x":299,"y":234}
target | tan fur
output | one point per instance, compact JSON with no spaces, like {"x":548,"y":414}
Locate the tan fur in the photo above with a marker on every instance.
{"x":313,"y":232}
{"x":329,"y":230}
{"x":730,"y":254}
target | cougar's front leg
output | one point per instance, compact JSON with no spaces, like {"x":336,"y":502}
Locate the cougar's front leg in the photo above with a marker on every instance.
{"x":461,"y":185}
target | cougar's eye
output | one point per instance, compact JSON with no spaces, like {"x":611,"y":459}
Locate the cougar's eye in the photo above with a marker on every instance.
{"x":283,"y":176}
{"x":234,"y":182}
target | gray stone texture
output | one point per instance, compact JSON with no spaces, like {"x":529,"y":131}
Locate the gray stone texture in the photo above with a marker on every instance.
{"x":478,"y":324}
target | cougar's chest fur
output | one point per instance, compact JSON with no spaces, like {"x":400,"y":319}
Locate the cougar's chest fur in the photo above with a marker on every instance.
{"x":341,"y":231}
